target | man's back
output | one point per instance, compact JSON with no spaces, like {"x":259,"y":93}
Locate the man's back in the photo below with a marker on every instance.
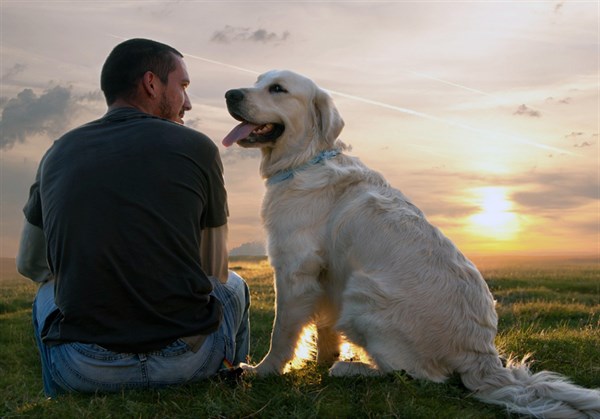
{"x":124,"y":200}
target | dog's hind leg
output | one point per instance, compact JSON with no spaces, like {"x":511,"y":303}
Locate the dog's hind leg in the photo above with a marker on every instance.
{"x":328,"y":338}
{"x":328,"y":345}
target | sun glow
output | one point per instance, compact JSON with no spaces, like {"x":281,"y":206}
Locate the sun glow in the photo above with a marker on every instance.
{"x":496,"y":218}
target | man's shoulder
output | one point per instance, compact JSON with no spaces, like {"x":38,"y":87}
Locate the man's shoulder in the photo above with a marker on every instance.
{"x":137,"y":127}
{"x":190,"y":134}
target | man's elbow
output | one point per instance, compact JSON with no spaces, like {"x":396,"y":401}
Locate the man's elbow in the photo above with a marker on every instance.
{"x":22,"y":267}
{"x":31,"y":258}
{"x":29,"y":270}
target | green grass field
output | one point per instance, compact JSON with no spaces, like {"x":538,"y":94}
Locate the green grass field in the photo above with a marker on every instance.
{"x":548,"y":307}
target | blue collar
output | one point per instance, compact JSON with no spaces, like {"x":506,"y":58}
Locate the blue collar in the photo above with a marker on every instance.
{"x":289,"y":173}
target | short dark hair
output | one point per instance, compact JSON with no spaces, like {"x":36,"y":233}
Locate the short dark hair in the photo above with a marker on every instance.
{"x":129,"y":61}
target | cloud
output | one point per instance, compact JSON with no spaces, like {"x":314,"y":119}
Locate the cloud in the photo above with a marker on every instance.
{"x":577,"y":137}
{"x":95,"y":96}
{"x":557,"y":191}
{"x":565,"y":101}
{"x":558,"y":7}
{"x":194,"y":123}
{"x":574,"y":135}
{"x":13,"y":71}
{"x":543,"y":193}
{"x":50,"y":113}
{"x":583,"y":144}
{"x":235,"y":154}
{"x":524,"y":110}
{"x":28,"y":114}
{"x":236,"y":34}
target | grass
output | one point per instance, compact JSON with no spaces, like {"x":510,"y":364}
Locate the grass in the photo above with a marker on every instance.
{"x":550,"y":310}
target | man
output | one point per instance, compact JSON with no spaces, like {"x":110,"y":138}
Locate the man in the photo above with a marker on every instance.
{"x":126,"y":228}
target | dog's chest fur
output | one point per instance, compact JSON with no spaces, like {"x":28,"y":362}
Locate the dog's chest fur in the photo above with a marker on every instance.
{"x":300,"y":213}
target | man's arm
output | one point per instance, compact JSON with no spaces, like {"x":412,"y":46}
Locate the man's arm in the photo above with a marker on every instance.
{"x":213,"y":252}
{"x":31,"y":259}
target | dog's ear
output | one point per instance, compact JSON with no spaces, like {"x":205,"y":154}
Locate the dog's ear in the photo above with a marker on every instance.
{"x":328,"y":119}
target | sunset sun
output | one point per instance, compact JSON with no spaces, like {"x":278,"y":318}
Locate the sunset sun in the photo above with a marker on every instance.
{"x":495,"y":218}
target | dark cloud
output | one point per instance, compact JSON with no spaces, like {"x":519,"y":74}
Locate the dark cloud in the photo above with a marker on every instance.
{"x":524,"y":110}
{"x":545,"y":194}
{"x":50,"y":113}
{"x":583,"y":144}
{"x":236,"y":34}
{"x":13,"y":71}
{"x":559,"y":191}
{"x":27,"y":114}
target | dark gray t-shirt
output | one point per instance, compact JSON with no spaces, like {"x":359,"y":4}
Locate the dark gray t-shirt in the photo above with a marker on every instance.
{"x":122,"y":201}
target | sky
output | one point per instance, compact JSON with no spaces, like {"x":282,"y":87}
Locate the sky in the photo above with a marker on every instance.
{"x":484,"y":113}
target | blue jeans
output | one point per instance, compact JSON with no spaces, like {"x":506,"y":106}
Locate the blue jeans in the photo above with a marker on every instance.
{"x":84,"y":367}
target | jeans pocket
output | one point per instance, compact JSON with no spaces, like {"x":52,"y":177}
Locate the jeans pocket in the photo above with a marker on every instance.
{"x":87,"y":368}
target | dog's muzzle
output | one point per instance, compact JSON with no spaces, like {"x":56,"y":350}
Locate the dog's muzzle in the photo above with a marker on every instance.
{"x":234,"y":99}
{"x":234,"y":96}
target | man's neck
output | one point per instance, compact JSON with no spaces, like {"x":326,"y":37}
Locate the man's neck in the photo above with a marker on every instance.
{"x":124,"y":103}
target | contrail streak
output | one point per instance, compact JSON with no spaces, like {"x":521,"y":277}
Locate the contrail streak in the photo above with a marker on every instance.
{"x":512,"y":138}
{"x":234,"y":67}
{"x":460,"y":86}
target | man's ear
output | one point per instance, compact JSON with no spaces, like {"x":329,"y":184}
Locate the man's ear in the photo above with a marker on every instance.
{"x":149,"y":81}
{"x":329,"y":121}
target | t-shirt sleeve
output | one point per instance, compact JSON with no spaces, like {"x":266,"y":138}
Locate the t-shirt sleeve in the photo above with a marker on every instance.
{"x":217,"y":209}
{"x":33,"y":207}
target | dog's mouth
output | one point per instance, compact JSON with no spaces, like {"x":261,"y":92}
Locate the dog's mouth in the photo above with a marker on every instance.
{"x":248,"y":134}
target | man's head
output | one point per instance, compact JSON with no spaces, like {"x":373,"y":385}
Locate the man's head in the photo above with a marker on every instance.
{"x":149,"y":75}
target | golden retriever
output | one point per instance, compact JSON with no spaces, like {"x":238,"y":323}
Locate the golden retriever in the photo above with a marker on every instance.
{"x":357,"y":257}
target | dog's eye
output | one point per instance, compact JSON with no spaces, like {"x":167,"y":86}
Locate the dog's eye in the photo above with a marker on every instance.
{"x":276,"y":88}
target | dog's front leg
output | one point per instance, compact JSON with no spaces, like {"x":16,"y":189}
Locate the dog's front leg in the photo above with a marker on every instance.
{"x":296,"y":296}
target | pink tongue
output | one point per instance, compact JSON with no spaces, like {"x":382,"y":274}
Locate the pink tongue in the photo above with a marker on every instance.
{"x":240,"y":132}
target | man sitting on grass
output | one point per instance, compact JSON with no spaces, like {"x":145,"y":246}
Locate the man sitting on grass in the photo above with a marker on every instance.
{"x":126,"y":229}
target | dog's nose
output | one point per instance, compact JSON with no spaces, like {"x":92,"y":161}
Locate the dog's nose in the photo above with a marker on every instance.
{"x":234,"y":95}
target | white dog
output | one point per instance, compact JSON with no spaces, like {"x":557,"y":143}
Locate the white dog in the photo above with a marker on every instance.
{"x":356,"y":257}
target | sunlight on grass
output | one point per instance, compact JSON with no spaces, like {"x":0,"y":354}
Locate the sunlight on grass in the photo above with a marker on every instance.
{"x":306,"y":350}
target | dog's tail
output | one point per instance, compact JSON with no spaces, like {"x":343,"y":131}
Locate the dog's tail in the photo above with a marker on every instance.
{"x":543,"y":395}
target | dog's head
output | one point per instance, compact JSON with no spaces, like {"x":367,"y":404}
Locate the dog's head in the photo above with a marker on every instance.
{"x":285,"y":111}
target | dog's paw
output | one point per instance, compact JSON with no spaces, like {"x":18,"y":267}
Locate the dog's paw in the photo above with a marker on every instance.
{"x":262,"y":369}
{"x":349,"y":369}
{"x":248,"y":369}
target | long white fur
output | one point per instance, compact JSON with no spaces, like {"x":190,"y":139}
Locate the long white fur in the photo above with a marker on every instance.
{"x":357,"y":257}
